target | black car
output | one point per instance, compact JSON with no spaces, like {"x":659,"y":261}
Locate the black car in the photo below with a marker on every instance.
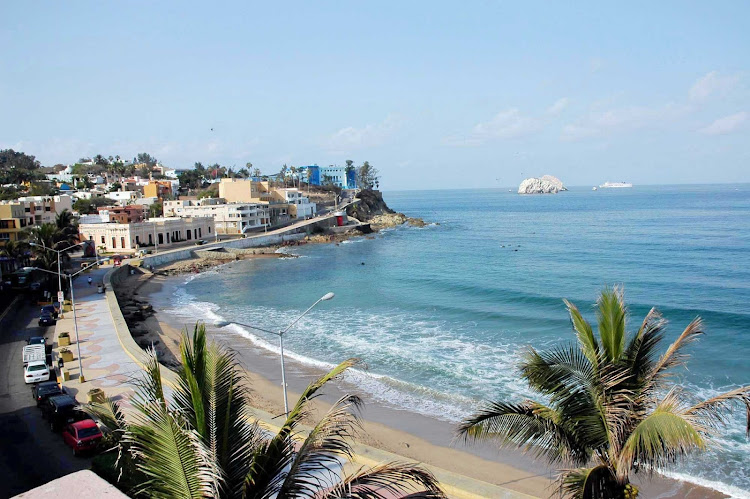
{"x":61,"y":410}
{"x":44,"y":390}
{"x":47,"y":320}
{"x":50,"y":310}
{"x":36,"y":340}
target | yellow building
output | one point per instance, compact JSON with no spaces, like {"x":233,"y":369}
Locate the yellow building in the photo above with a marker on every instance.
{"x":13,"y":219}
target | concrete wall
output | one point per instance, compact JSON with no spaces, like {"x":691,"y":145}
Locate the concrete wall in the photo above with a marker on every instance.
{"x":250,"y":242}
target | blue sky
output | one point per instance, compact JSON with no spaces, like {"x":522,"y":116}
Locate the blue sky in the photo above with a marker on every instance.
{"x":435,"y":95}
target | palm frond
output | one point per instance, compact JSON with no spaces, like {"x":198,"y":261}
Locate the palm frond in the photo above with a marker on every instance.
{"x":585,"y":334}
{"x":660,"y":438}
{"x":171,"y":454}
{"x":149,"y":386}
{"x":265,"y":473}
{"x":527,"y":425}
{"x":640,"y":353}
{"x":712,"y":413}
{"x":322,"y":450}
{"x":611,"y":318}
{"x":110,"y":414}
{"x":386,"y":481}
{"x":674,"y":357}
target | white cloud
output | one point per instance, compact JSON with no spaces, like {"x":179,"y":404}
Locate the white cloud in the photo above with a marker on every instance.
{"x":351,"y":138}
{"x":622,"y":119}
{"x":558,"y":106}
{"x":506,"y":124}
{"x":712,"y":83}
{"x":725,"y":125}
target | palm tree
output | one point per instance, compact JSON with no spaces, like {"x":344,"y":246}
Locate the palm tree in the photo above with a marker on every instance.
{"x":17,"y":250}
{"x":68,"y":227}
{"x":203,"y":442}
{"x":612,"y":407}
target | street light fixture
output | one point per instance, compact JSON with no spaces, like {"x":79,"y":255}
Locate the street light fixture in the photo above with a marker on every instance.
{"x":325,"y":297}
{"x":59,"y":252}
{"x":81,"y":378}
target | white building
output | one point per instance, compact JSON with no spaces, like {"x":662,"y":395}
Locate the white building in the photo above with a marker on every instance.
{"x":53,"y":204}
{"x":299,"y":205}
{"x":124,"y":197}
{"x":161,"y":232}
{"x":230,"y":218}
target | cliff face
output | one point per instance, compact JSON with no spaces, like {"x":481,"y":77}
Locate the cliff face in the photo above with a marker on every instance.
{"x":371,"y":204}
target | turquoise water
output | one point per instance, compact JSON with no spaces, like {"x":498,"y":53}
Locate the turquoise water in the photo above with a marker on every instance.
{"x":440,"y":313}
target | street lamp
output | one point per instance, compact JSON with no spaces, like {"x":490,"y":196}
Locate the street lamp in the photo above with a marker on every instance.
{"x":59,"y":252}
{"x":325,"y":297}
{"x":81,"y":379}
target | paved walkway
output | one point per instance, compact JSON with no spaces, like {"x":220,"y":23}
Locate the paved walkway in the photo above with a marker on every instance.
{"x":105,"y":363}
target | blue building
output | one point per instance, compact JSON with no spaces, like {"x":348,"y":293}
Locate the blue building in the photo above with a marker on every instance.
{"x":321,"y":175}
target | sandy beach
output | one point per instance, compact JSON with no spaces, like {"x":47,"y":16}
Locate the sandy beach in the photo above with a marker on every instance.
{"x":411,"y":435}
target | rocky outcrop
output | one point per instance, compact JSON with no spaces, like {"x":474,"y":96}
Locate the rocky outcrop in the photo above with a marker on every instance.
{"x":545,"y":185}
{"x":370,"y":205}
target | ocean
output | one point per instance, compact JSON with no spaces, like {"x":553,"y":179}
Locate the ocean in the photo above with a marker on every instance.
{"x":440,"y":314}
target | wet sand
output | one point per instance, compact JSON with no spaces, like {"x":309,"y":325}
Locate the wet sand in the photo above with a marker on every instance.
{"x":405,"y":433}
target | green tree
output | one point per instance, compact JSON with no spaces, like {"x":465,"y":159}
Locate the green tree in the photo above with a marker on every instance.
{"x":89,"y":206}
{"x":146,"y":158}
{"x":115,"y":186}
{"x":17,"y":250}
{"x":202,"y":441}
{"x":155,"y":209}
{"x":42,"y":188}
{"x":18,"y":167}
{"x":67,"y":225}
{"x":256,"y":172}
{"x":368,"y":177}
{"x":613,"y":409}
{"x":101,"y":160}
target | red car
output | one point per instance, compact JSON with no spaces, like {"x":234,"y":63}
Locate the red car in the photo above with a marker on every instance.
{"x":82,"y":436}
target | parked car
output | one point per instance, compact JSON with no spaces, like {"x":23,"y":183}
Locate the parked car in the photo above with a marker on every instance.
{"x":82,"y":436}
{"x":200,"y":242}
{"x":36,"y":371}
{"x":47,"y":320}
{"x":50,"y":310}
{"x":44,"y":390}
{"x":62,"y":410}
{"x":36,"y":340}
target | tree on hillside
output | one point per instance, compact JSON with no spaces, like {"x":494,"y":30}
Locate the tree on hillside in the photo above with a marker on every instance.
{"x":243,"y":173}
{"x":101,"y":160}
{"x":42,"y":188}
{"x":146,"y":158}
{"x":18,"y":167}
{"x":202,"y":440}
{"x":89,"y":206}
{"x":256,"y":172}
{"x":613,"y":406}
{"x":155,"y":209}
{"x":368,"y":176}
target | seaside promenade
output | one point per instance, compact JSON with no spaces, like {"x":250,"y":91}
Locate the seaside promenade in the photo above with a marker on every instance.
{"x":110,"y":358}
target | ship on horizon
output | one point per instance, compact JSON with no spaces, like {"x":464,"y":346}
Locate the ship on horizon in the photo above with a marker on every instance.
{"x":612,"y":185}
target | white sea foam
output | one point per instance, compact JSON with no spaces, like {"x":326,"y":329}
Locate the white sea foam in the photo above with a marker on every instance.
{"x":435,"y":354}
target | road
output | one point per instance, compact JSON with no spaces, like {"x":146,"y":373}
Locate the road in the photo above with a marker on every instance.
{"x":30,"y":454}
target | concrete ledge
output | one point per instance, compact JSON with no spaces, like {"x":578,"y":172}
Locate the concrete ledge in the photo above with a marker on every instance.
{"x":83,"y":484}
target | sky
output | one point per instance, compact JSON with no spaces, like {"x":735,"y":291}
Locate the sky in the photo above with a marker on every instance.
{"x":436,"y":95}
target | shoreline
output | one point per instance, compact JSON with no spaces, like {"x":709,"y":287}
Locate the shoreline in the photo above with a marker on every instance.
{"x":405,"y":433}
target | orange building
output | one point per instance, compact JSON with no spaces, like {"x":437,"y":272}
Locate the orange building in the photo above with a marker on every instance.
{"x":157,"y":189}
{"x":123,"y":214}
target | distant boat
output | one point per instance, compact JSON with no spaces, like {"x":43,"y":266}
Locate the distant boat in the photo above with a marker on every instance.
{"x":614,"y":185}
{"x":593,"y":188}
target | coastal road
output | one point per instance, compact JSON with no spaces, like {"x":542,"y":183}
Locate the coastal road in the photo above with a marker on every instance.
{"x":30,"y":454}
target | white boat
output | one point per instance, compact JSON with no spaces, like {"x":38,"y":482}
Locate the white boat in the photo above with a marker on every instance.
{"x":593,"y":188}
{"x":614,"y":185}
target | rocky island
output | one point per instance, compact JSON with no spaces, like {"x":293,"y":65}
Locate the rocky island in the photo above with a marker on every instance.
{"x":545,"y":185}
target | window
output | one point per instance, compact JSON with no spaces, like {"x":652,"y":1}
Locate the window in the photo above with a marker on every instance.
{"x":167,"y":237}
{"x":189,"y":235}
{"x":4,"y":236}
{"x":47,"y":208}
{"x":102,"y":239}
{"x":114,"y":242}
{"x":137,"y":241}
{"x":122,"y":242}
{"x":195,"y":233}
{"x":150,"y":240}
{"x":209,"y":230}
{"x":161,"y":238}
{"x":199,"y":232}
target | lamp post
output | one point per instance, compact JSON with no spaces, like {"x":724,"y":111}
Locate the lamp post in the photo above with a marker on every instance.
{"x":59,"y":252}
{"x":81,"y":378}
{"x":280,"y":334}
